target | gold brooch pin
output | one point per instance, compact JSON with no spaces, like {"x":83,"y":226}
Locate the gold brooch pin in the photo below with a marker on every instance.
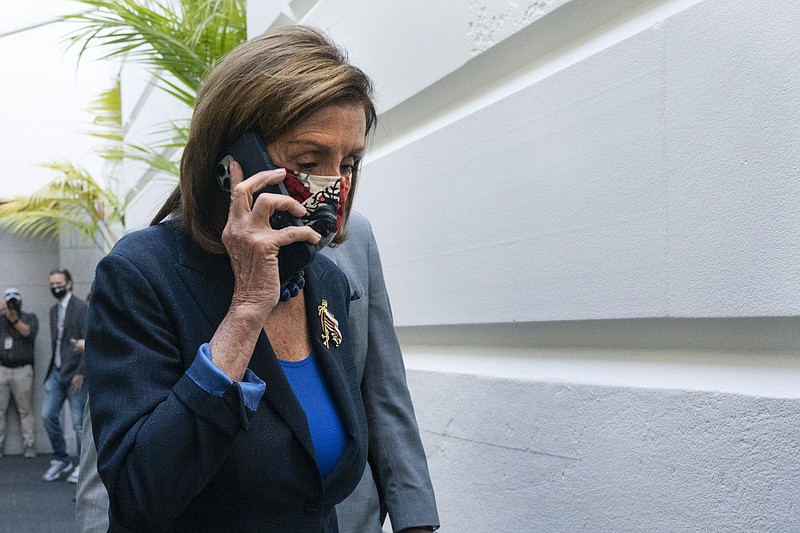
{"x":330,"y":326}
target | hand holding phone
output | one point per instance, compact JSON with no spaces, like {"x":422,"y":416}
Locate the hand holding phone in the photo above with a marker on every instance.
{"x":251,"y":155}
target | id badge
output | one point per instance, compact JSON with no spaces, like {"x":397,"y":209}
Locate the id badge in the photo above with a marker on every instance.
{"x":9,"y":342}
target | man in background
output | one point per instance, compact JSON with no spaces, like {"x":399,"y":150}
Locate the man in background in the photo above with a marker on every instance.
{"x":18,"y":331}
{"x":64,"y":381}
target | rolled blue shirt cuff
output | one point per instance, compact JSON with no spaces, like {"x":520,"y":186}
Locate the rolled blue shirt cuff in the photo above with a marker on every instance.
{"x":211,"y":379}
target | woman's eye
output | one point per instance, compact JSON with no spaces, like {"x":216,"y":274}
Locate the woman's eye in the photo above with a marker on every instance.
{"x":347,"y":169}
{"x":306,"y":167}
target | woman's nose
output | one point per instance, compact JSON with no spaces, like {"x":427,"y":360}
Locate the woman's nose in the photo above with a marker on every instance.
{"x":327,"y":170}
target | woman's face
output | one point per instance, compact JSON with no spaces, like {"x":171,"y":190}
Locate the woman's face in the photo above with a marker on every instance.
{"x":322,"y":152}
{"x":329,"y":142}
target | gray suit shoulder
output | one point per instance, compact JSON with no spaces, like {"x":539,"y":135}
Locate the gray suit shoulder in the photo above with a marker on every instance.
{"x":358,"y":227}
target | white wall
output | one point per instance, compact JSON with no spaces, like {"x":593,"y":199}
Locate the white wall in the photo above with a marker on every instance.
{"x":624,"y":173}
{"x":147,"y":115}
{"x":588,"y":214}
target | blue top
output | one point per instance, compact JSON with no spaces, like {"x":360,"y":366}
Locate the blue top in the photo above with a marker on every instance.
{"x":305,"y":378}
{"x":327,"y":431}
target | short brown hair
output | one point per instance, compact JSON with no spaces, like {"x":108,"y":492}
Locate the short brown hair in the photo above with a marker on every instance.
{"x":265,"y":85}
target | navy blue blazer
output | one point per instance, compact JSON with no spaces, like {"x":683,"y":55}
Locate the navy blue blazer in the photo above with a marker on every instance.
{"x":175,"y":457}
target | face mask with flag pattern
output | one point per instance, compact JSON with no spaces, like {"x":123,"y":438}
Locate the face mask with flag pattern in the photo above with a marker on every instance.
{"x":324,"y":197}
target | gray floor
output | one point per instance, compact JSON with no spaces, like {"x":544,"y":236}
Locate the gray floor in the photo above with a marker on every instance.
{"x":30,"y":505}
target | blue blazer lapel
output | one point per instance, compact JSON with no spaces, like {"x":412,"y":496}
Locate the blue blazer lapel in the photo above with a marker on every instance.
{"x":209,"y":280}
{"x":334,"y":359}
{"x":279,"y":393}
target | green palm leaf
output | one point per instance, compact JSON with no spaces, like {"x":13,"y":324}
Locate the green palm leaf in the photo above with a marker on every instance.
{"x":72,"y":202}
{"x":184,"y":42}
{"x":107,"y":122}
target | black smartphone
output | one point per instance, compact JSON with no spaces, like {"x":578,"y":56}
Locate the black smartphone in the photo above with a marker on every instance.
{"x":251,"y":154}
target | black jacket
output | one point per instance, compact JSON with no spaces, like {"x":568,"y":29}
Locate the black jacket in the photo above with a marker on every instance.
{"x":72,"y":362}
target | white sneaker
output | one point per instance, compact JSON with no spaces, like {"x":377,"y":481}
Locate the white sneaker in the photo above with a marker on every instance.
{"x":30,"y":452}
{"x":56,"y":469}
{"x":73,"y":477}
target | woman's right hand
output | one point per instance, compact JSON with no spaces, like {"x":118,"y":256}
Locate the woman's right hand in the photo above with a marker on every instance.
{"x":252,"y":246}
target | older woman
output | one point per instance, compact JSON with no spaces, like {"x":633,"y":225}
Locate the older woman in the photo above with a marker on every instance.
{"x":222,"y":400}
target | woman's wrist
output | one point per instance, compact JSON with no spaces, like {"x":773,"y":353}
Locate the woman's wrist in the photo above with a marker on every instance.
{"x":252,"y":308}
{"x":233,"y":342}
{"x":249,"y":315}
